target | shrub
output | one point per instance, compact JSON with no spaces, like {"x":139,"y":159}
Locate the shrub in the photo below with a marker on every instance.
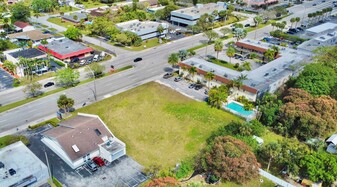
{"x":53,"y":122}
{"x":280,"y":34}
{"x":16,"y":82}
{"x":236,"y":65}
{"x":185,"y":169}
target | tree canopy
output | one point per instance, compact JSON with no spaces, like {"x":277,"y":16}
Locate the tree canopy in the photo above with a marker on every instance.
{"x":42,"y":5}
{"x":65,"y":102}
{"x":73,"y":33}
{"x":20,"y":12}
{"x":67,"y":77}
{"x":230,"y":159}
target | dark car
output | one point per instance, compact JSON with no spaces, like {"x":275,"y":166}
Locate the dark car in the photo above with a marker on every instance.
{"x":247,"y":25}
{"x":12,"y":171}
{"x":177,"y":79}
{"x":198,"y":87}
{"x":167,"y":75}
{"x":289,"y":32}
{"x":92,"y":166}
{"x":323,"y":1}
{"x":191,"y":86}
{"x":300,"y":29}
{"x":99,"y":161}
{"x":137,"y":59}
{"x":293,"y":30}
{"x":46,"y":32}
{"x":314,"y":4}
{"x":48,"y":84}
{"x":206,"y":92}
{"x":76,"y":59}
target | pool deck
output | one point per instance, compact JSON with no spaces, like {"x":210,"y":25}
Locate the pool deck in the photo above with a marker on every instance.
{"x":247,"y":118}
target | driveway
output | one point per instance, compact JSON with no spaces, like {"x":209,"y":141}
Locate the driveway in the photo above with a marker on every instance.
{"x":122,"y":172}
{"x":6,"y":80}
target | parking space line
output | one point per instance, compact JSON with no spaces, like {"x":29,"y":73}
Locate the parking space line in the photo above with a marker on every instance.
{"x":87,"y":170}
{"x":79,"y":172}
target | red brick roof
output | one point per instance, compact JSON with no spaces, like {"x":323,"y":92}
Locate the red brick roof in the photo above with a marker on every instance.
{"x":21,"y":24}
{"x":221,"y":79}
{"x":251,"y":47}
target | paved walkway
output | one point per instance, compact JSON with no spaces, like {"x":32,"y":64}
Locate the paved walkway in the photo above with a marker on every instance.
{"x":275,"y":179}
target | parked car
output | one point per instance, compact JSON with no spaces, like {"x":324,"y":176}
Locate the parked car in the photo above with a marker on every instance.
{"x":293,"y":30}
{"x":89,"y":61}
{"x":167,"y":75}
{"x":300,"y":28}
{"x":289,"y":32}
{"x":91,"y":165}
{"x":12,"y":171}
{"x":177,"y":79}
{"x":191,"y":86}
{"x":198,"y":87}
{"x":314,"y":4}
{"x":206,"y":92}
{"x":83,"y":62}
{"x":137,"y":59}
{"x":96,"y":58}
{"x":247,"y":25}
{"x":76,"y":59}
{"x":48,"y":84}
{"x":99,"y":161}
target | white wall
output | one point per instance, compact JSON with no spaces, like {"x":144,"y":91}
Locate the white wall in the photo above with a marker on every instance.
{"x":28,"y":28}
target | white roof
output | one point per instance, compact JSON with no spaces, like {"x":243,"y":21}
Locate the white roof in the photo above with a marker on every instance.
{"x":18,"y":157}
{"x":332,"y":139}
{"x":323,"y":27}
{"x":258,"y":139}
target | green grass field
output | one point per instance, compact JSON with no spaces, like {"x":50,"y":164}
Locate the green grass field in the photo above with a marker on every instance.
{"x":147,"y":43}
{"x":91,"y":4}
{"x":58,"y":21}
{"x":159,"y":125}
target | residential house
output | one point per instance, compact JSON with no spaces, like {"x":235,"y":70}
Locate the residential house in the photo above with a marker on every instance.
{"x":144,"y":29}
{"x":21,"y":167}
{"x":34,"y":36}
{"x":81,"y":138}
{"x":332,"y":143}
{"x":23,"y":26}
{"x":190,"y":16}
{"x":31,"y":53}
{"x":78,"y":15}
{"x":66,"y":49}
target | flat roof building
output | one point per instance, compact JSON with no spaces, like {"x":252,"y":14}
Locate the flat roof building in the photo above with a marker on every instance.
{"x":321,"y":29}
{"x":144,"y":29}
{"x":78,"y":15}
{"x":81,"y":138}
{"x":190,"y":16}
{"x":326,"y":38}
{"x":258,"y":3}
{"x":20,"y":167}
{"x":66,"y":49}
{"x":32,"y":35}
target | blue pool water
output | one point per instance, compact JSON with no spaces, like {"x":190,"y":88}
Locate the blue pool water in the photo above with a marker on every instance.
{"x":238,"y":108}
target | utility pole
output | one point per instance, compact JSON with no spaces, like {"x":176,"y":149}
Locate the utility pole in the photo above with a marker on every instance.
{"x":95,"y":91}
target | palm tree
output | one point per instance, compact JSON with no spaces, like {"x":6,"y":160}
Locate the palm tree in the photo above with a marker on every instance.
{"x":240,"y":79}
{"x":257,"y":20}
{"x":310,"y":15}
{"x":217,"y":97}
{"x":230,"y":52}
{"x":192,"y":71}
{"x":209,"y":77}
{"x":218,"y":47}
{"x":239,"y":33}
{"x":292,"y":21}
{"x":276,"y":50}
{"x":274,"y":24}
{"x":297,"y":19}
{"x":269,"y":54}
{"x":160,"y":30}
{"x":173,"y":59}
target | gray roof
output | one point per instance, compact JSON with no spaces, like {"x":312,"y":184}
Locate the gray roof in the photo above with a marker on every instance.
{"x":137,"y":26}
{"x":27,"y":53}
{"x":79,"y":15}
{"x":65,"y":46}
{"x":201,"y":9}
{"x":332,"y":139}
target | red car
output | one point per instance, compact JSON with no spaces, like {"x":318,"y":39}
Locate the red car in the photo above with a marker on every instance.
{"x":99,"y":161}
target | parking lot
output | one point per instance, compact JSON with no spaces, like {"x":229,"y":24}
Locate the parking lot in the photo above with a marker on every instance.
{"x":183,"y":88}
{"x":6,"y":80}
{"x":122,"y":172}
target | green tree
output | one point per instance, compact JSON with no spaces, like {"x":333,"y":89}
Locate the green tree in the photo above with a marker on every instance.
{"x":292,"y":21}
{"x":257,"y":21}
{"x":225,"y":31}
{"x":297,"y":19}
{"x":230,"y":159}
{"x":218,"y":47}
{"x":239,"y":33}
{"x":230,"y":52}
{"x":173,"y":59}
{"x":270,"y":151}
{"x":216,"y":97}
{"x":95,"y":68}
{"x":182,"y":54}
{"x":65,"y":103}
{"x":67,"y":77}
{"x":317,"y":79}
{"x":160,"y":29}
{"x":269,"y":55}
{"x":269,"y":107}
{"x":42,"y":6}
{"x":192,"y":71}
{"x":3,"y":45}
{"x":211,"y":35}
{"x":122,"y":38}
{"x":195,"y":2}
{"x":320,"y":166}
{"x":209,"y":77}
{"x":20,"y":12}
{"x":33,"y":89}
{"x":134,"y":4}
{"x":73,"y":33}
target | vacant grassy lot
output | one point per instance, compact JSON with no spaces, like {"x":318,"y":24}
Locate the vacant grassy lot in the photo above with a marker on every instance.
{"x":10,"y":139}
{"x":58,"y":21}
{"x":159,"y":125}
{"x":91,"y":4}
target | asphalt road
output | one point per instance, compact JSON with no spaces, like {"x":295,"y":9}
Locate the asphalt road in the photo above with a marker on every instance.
{"x":152,"y":67}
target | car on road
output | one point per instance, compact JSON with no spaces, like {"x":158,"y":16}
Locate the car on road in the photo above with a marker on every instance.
{"x":314,"y":4}
{"x":293,"y":30}
{"x":177,"y":79}
{"x":137,"y":59}
{"x":91,"y":165}
{"x":191,"y":86}
{"x":48,"y":84}
{"x":99,"y":161}
{"x":247,"y":25}
{"x":300,"y":29}
{"x":198,"y":87}
{"x":167,"y":75}
{"x":323,"y":1}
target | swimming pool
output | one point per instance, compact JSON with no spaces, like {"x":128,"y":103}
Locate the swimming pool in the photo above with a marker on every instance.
{"x":239,"y":109}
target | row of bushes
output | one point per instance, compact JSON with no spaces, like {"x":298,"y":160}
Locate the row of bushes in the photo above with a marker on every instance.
{"x":54,"y":122}
{"x":280,"y":34}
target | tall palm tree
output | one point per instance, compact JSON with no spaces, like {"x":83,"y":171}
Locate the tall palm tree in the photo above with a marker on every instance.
{"x":192,"y":71}
{"x":218,"y":47}
{"x":276,"y":50}
{"x":297,"y":19}
{"x":239,"y":33}
{"x":292,"y":21}
{"x":173,"y":59}
{"x":257,"y":20}
{"x":230,"y":52}
{"x":209,"y":77}
{"x":240,"y":80}
{"x":217,"y":97}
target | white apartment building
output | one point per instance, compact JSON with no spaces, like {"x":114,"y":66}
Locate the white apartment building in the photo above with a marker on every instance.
{"x":144,"y":29}
{"x":190,"y":16}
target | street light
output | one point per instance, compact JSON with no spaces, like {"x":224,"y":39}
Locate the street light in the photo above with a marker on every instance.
{"x":94,"y":91}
